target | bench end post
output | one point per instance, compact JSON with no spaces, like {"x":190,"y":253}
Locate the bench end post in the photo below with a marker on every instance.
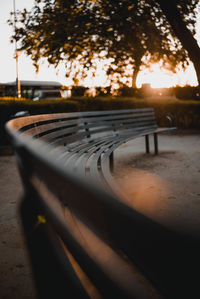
{"x":111,"y":161}
{"x":156,"y":143}
{"x":147,"y":144}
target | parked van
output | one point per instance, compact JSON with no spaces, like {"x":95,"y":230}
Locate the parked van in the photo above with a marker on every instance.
{"x":29,"y":88}
{"x":48,"y":94}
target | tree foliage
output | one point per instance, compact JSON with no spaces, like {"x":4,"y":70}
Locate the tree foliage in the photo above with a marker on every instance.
{"x":126,"y":32}
{"x":135,"y":32}
{"x":181,"y":16}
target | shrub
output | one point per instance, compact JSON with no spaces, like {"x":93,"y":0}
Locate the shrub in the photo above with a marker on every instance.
{"x":103,"y":91}
{"x":78,"y":91}
{"x":126,"y":91}
{"x":187,"y":92}
{"x":184,"y":113}
{"x":108,"y":103}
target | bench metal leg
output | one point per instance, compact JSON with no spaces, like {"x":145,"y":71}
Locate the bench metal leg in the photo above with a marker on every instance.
{"x":87,"y":130}
{"x":99,"y":162}
{"x":156,"y":143}
{"x":111,"y":162}
{"x":147,"y":144}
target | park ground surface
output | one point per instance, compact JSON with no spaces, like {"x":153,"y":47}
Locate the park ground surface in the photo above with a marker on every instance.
{"x":163,"y":187}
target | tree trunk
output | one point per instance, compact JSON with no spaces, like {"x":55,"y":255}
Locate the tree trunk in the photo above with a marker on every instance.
{"x":138,"y":62}
{"x":134,"y":76}
{"x":180,"y":29}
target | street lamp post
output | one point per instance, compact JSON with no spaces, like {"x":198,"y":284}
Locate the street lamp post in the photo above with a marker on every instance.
{"x":16,"y":57}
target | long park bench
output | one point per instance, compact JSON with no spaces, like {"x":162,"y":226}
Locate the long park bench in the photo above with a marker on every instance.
{"x":83,"y":241}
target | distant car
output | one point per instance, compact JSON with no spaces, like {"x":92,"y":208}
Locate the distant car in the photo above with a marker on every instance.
{"x":20,"y":114}
{"x":48,"y":95}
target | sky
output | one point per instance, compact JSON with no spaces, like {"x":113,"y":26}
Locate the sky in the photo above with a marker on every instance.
{"x":156,"y":76}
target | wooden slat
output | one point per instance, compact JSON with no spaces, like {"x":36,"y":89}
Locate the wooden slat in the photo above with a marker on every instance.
{"x":58,"y":124}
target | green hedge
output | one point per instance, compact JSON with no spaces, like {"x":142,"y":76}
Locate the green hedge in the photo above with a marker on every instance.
{"x":108,"y":103}
{"x":184,"y":113}
{"x":187,"y":92}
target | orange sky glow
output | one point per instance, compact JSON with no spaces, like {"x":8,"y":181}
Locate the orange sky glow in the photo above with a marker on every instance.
{"x":156,"y":76}
{"x":159,"y":77}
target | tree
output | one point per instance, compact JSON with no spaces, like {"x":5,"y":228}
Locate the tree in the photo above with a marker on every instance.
{"x":55,"y":30}
{"x":129,"y":32}
{"x":181,"y":14}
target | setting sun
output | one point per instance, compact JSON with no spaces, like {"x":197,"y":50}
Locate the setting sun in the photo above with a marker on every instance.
{"x":159,"y":77}
{"x":155,"y":75}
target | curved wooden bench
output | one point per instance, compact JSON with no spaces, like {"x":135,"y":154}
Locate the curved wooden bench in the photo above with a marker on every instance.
{"x":82,"y":240}
{"x":87,"y":140}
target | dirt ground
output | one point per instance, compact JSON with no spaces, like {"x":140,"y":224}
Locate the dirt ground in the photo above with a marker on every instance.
{"x":15,"y":271}
{"x":164,"y":187}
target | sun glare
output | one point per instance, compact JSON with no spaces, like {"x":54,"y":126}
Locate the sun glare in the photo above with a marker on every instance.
{"x":158,"y":77}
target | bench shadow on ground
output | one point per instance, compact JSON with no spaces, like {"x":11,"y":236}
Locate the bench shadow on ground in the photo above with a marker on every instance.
{"x":160,"y":187}
{"x":143,"y":160}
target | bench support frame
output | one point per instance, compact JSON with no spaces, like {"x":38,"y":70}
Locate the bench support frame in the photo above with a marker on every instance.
{"x":155,"y":143}
{"x":147,"y":144}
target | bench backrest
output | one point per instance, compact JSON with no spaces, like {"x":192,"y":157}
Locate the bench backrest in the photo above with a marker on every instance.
{"x":65,"y":128}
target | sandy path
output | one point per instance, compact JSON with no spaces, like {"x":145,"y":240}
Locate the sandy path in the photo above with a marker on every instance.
{"x":15,"y":271}
{"x":164,"y":187}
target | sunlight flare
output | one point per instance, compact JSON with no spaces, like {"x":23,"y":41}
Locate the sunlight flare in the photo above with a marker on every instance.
{"x":159,"y":77}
